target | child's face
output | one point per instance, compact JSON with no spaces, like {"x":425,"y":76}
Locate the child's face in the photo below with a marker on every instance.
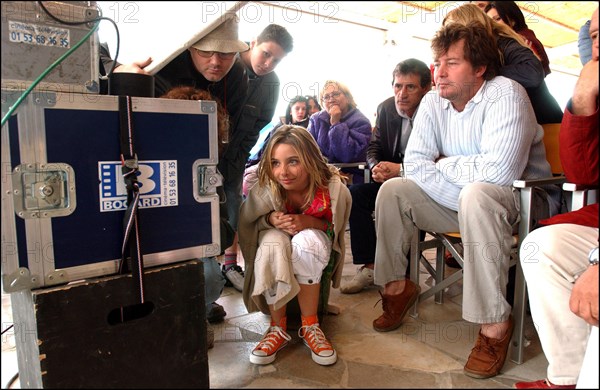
{"x":265,"y":57}
{"x":287,"y":168}
{"x":298,"y":111}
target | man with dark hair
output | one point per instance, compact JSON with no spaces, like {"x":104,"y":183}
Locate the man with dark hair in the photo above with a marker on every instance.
{"x":265,"y":53}
{"x":469,"y":142}
{"x":411,"y":80}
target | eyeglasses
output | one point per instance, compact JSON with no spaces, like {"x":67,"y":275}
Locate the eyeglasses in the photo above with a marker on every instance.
{"x":208,"y":54}
{"x":332,"y":95}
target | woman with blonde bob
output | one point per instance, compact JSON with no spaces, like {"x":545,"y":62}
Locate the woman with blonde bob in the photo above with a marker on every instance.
{"x":518,"y":61}
{"x":341,"y":130}
{"x":291,"y":232}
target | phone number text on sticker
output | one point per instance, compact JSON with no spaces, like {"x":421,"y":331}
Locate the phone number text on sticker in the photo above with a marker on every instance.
{"x":34,"y":34}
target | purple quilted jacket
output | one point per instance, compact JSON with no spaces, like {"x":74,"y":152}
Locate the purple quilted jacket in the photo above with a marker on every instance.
{"x":345,"y":141}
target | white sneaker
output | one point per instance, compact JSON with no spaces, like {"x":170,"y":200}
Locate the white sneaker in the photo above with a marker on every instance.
{"x":235,"y":276}
{"x":362,"y":279}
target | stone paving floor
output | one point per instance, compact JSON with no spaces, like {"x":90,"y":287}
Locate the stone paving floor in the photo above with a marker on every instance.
{"x":428,"y":351}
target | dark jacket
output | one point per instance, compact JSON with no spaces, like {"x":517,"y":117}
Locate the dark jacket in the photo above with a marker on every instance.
{"x":521,"y":65}
{"x":258,"y":111}
{"x":385,"y":144}
{"x":231,"y":90}
{"x":537,"y":47}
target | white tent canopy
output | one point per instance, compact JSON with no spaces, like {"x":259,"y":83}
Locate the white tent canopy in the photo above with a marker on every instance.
{"x":329,"y":43}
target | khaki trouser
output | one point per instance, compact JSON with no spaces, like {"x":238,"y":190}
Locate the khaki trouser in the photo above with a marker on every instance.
{"x":487,"y":217}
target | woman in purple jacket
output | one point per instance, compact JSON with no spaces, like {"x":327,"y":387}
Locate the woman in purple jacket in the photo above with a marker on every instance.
{"x":341,"y":130}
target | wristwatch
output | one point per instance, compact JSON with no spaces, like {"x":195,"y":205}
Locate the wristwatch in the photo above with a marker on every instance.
{"x":593,"y":256}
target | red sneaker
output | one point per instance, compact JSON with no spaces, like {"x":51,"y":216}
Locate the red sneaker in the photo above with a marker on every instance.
{"x":541,"y":384}
{"x":321,"y":349}
{"x":266,"y":351}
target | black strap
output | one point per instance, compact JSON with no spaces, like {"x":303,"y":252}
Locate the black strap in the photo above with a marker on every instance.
{"x":129,"y":168}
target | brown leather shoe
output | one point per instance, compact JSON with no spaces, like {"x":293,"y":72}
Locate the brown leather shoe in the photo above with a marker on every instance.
{"x":395,"y":307}
{"x":488,"y":355}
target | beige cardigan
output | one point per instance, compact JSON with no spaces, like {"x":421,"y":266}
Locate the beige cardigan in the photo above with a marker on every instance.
{"x":252,"y":223}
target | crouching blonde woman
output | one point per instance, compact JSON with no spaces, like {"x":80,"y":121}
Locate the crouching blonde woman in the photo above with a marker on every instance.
{"x":291,"y":224}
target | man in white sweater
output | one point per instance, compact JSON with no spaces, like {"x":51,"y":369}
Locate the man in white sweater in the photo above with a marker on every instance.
{"x":471,"y":139}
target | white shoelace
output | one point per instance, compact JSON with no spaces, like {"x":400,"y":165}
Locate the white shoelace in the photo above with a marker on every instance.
{"x":270,"y":339}
{"x":320,"y":341}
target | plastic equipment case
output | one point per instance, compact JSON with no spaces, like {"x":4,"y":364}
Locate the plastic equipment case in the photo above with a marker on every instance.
{"x":63,"y":196}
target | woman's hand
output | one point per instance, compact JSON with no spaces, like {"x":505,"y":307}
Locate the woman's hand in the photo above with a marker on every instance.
{"x":292,"y":224}
{"x":335,"y":114}
{"x":282,"y":221}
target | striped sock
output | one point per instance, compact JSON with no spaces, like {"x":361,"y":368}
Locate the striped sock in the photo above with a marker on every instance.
{"x":230,"y":259}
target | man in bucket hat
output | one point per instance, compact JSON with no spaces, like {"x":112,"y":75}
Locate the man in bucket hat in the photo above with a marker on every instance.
{"x":210,"y":64}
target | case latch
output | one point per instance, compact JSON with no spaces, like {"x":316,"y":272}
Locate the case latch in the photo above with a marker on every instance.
{"x":43,"y":190}
{"x":208,"y":179}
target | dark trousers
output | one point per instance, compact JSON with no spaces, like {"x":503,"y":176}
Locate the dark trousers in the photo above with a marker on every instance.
{"x":363,"y":238}
{"x":362,"y":227}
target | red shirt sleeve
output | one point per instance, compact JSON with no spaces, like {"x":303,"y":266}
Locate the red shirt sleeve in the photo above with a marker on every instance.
{"x":579,"y":148}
